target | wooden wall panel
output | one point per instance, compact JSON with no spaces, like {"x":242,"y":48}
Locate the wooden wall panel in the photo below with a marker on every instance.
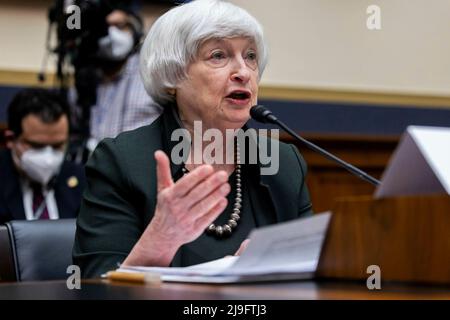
{"x":328,"y":181}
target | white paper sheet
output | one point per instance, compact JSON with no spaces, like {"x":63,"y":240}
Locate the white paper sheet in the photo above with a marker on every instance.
{"x":434,"y":144}
{"x":420,"y":165}
{"x":288,"y":250}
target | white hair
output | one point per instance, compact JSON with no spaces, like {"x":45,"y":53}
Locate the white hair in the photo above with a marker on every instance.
{"x":174,"y":39}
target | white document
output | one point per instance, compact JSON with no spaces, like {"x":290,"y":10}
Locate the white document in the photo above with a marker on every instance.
{"x":420,"y":164}
{"x":288,"y":250}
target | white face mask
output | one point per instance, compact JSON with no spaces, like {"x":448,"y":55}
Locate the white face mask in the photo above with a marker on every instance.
{"x":116,"y":45}
{"x":42,"y":164}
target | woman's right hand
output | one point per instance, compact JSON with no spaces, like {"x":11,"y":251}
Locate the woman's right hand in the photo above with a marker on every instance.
{"x":186,"y":208}
{"x":183,"y":211}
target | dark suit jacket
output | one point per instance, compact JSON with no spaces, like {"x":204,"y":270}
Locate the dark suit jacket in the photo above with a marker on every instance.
{"x":11,"y":202}
{"x":120,"y":196}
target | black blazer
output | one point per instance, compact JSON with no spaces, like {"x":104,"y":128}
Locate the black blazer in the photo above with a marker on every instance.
{"x":120,"y":196}
{"x":11,"y":200}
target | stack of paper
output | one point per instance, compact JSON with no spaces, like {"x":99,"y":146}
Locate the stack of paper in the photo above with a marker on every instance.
{"x":288,"y":250}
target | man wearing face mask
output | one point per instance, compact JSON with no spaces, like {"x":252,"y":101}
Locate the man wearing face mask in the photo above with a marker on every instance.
{"x":36,"y":181}
{"x":121,"y":101}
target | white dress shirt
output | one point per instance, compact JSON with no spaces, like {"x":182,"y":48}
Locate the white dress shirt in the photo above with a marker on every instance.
{"x":49,"y":198}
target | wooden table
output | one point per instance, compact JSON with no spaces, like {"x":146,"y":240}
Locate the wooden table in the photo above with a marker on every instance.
{"x":297,"y":290}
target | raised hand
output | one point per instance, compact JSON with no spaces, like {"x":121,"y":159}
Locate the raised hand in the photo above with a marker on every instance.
{"x":183,"y":211}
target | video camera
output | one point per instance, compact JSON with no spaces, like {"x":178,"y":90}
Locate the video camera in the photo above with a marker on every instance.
{"x":78,"y":47}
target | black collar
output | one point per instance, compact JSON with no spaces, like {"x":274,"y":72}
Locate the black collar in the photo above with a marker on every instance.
{"x":170,"y":123}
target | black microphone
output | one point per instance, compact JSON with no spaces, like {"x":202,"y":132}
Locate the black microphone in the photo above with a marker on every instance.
{"x":264,"y":115}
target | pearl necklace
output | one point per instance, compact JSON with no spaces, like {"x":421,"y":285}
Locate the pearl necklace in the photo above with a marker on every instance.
{"x":226,"y":229}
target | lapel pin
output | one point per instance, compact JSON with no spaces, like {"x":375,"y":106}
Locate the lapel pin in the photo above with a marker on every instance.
{"x":72,"y":182}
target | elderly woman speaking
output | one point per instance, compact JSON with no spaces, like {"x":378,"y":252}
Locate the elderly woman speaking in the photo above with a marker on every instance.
{"x":202,"y":62}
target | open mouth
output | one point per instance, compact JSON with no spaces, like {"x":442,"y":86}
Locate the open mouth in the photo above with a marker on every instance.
{"x":239,"y":95}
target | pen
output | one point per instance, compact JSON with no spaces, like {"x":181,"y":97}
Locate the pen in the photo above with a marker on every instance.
{"x":139,"y":277}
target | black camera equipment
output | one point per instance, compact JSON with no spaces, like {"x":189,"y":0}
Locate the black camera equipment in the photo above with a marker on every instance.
{"x":77,"y":55}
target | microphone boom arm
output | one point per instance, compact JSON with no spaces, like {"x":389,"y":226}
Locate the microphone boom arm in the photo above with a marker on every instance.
{"x":261,"y":114}
{"x":356,"y":171}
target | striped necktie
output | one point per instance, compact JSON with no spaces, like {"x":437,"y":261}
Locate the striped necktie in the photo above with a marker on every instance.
{"x":39,"y":206}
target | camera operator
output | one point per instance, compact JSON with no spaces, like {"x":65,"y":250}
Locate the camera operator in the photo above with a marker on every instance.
{"x":121,"y":102}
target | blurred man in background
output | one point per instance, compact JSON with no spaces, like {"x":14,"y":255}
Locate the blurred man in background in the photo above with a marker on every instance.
{"x":36,"y":181}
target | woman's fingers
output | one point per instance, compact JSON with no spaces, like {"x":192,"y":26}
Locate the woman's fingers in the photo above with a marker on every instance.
{"x":189,"y":181}
{"x":204,"y":188}
{"x":203,"y":222}
{"x":186,"y":183}
{"x":163,"y":174}
{"x":207,"y":203}
{"x":192,"y":203}
{"x":242,"y":248}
